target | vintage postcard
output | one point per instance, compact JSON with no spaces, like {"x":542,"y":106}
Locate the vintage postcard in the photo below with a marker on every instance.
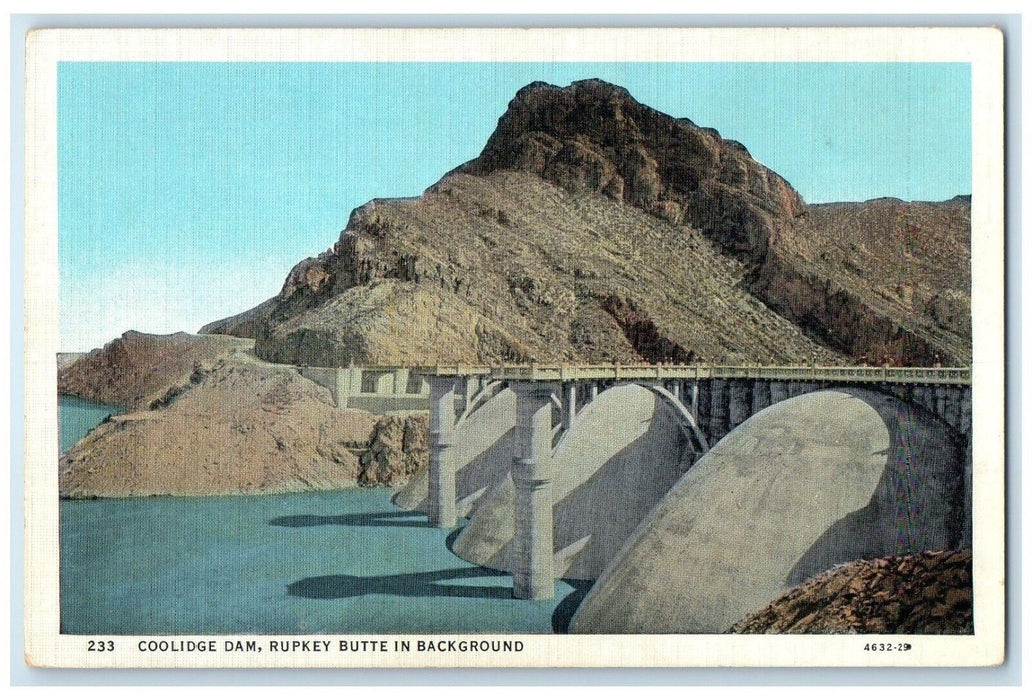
{"x":515,"y":348}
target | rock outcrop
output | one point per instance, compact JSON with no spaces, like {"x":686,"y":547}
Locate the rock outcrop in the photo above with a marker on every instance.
{"x":64,"y":359}
{"x":926,"y":593}
{"x":593,"y":228}
{"x":244,"y":325}
{"x":594,"y":136}
{"x":128,"y":370}
{"x":885,"y":281}
{"x":507,"y":267}
{"x":398,"y":448}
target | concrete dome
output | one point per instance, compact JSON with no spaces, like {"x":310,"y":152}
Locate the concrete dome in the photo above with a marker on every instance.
{"x":619,"y":458}
{"x":803,"y":485}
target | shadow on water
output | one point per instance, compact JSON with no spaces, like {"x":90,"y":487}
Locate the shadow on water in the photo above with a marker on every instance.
{"x":563,"y":612}
{"x":387,"y":518}
{"x":420,"y":584}
{"x":449,"y":541}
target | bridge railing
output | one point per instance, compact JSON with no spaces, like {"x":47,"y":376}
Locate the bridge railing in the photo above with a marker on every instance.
{"x":454,"y":370}
{"x":907,"y":375}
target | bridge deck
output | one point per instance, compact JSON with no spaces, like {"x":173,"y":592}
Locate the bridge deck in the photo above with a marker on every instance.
{"x":900,"y":375}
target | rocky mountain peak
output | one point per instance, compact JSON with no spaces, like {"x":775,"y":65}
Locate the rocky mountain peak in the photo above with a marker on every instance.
{"x":594,"y":228}
{"x":592,"y":135}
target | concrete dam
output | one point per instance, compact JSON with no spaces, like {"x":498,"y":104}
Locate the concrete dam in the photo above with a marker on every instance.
{"x":692,"y":496}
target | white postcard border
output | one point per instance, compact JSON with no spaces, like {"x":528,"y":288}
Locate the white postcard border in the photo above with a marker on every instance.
{"x":982,"y":47}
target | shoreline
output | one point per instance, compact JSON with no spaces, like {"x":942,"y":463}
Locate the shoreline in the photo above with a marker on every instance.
{"x":231,"y":494}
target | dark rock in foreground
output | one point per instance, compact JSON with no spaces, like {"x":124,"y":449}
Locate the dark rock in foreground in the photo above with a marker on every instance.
{"x":926,"y":593}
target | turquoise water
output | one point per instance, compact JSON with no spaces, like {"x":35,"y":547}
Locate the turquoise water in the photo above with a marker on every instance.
{"x":331,"y":561}
{"x":339,"y":561}
{"x":78,"y":417}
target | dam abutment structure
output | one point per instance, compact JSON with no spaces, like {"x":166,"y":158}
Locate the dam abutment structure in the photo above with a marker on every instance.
{"x":824,"y":478}
{"x":374,"y":389}
{"x":569,"y":395}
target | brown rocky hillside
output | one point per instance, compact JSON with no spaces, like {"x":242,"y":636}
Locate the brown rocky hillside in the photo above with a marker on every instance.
{"x":593,"y":228}
{"x":509,"y":267}
{"x":231,"y":424}
{"x":927,"y":593}
{"x":879,"y":280}
{"x":128,"y":370}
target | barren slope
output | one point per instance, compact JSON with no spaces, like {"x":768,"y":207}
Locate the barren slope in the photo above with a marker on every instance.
{"x":241,"y":427}
{"x":883,"y":280}
{"x":129,"y":369}
{"x":508,"y":267}
{"x":221,"y":422}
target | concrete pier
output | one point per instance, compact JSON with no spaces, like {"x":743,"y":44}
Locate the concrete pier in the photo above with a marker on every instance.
{"x":619,"y":459}
{"x":739,"y":403}
{"x":940,"y":400}
{"x":533,"y":575}
{"x":441,"y":487}
{"x":718,"y":409}
{"x":702,"y":407}
{"x":951,"y":409}
{"x":760,"y":397}
{"x":924,"y":396}
{"x":964,"y":414}
{"x":569,"y":404}
{"x":796,"y":389}
{"x":967,"y":533}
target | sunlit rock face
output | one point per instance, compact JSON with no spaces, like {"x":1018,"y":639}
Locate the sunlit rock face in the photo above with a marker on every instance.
{"x":622,"y":454}
{"x":800,"y":487}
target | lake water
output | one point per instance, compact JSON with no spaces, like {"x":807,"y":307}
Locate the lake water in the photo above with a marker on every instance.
{"x":78,"y":417}
{"x":318,"y":562}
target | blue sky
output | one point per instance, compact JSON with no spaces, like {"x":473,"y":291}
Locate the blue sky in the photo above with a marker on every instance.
{"x":187,"y":190}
